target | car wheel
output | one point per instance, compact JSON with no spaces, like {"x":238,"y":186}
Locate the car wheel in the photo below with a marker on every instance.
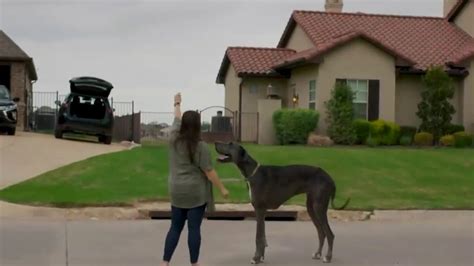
{"x":107,"y":139}
{"x":58,"y":134}
{"x":11,"y":131}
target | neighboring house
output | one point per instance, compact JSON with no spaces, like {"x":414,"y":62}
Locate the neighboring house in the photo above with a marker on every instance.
{"x":381,"y":57}
{"x":17,"y":73}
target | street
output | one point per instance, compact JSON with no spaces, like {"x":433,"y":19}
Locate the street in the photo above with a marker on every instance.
{"x":39,"y":242}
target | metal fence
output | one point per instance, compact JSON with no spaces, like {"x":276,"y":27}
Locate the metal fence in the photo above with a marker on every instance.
{"x":44,"y":112}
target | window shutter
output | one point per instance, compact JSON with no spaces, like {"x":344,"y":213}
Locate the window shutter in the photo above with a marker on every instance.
{"x":374,"y":95}
{"x":341,"y":81}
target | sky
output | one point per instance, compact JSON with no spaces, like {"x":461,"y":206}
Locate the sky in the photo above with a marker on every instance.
{"x":152,"y":49}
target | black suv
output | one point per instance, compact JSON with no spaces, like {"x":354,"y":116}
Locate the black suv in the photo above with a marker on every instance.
{"x":8,"y":111}
{"x":86,"y":110}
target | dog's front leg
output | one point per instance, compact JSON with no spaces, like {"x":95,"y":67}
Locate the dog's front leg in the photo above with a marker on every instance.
{"x":260,"y":239}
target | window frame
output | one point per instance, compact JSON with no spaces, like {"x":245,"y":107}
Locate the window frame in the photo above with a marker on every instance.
{"x":310,"y":90}
{"x":355,"y":91}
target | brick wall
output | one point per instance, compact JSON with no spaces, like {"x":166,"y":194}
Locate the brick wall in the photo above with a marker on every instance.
{"x":18,"y":80}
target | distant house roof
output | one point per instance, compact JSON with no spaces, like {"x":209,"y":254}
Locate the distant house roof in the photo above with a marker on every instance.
{"x":456,"y":9}
{"x":252,"y":61}
{"x":10,"y":51}
{"x":423,"y":40}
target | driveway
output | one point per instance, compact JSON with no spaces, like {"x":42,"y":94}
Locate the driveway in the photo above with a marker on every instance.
{"x":441,"y":241}
{"x":27,"y":155}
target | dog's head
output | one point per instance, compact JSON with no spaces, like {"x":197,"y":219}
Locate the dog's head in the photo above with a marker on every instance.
{"x":230,"y":152}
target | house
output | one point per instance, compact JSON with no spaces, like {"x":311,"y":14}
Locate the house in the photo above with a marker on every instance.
{"x":17,"y":73}
{"x":381,"y":57}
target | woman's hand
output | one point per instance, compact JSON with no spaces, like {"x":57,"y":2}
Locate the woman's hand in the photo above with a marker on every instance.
{"x":224,"y":193}
{"x":177,"y":99}
{"x":177,"y":106}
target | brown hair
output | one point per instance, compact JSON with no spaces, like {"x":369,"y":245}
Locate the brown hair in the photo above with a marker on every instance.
{"x":190,"y":132}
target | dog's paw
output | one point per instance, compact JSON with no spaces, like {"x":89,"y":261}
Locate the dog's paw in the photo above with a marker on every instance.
{"x":316,"y":256}
{"x":327,"y":259}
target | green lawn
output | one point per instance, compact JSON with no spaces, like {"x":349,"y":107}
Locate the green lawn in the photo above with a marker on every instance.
{"x":382,"y":178}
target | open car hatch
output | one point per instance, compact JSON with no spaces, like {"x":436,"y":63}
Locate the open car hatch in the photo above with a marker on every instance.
{"x":90,"y":86}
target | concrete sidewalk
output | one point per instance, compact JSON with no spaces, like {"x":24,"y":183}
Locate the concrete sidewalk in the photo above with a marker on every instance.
{"x":437,"y":241}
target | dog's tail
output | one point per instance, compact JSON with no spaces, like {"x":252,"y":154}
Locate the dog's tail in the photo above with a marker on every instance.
{"x":332,"y":202}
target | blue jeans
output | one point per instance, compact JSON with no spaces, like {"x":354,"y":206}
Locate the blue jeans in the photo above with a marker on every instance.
{"x":178,"y":218}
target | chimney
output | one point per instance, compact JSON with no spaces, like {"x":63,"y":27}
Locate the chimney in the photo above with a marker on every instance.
{"x":334,"y":6}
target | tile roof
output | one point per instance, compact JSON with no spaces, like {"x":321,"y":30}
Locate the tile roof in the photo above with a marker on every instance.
{"x":324,"y":47}
{"x":9,"y":50}
{"x":255,"y":61}
{"x":424,"y":40}
{"x":418,"y":42}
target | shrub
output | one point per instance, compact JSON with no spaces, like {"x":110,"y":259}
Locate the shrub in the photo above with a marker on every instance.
{"x":435,"y":110}
{"x":386,"y":133}
{"x":406,"y":140}
{"x":462,"y":139}
{"x":320,"y":141}
{"x":407,"y":131}
{"x":340,"y":114}
{"x":447,"y":140}
{"x":423,"y":139}
{"x":362,"y":130}
{"x":293,"y":126}
{"x":372,"y":141}
{"x":452,"y":128}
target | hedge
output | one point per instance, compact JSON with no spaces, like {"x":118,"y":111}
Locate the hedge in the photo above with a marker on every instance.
{"x":293,"y":126}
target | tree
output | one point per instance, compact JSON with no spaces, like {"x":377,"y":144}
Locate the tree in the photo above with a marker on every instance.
{"x":435,"y":110}
{"x":340,"y":115}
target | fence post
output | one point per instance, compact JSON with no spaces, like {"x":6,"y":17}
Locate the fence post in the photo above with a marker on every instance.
{"x":56,"y":108}
{"x":133,"y":121}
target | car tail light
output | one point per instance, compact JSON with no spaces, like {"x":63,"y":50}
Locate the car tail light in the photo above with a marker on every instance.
{"x":65,"y":105}
{"x":109,"y":110}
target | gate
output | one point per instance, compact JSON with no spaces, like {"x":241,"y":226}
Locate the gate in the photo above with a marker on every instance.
{"x":222,"y":126}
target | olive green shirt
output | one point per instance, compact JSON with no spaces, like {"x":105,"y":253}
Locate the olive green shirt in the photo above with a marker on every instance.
{"x":188,"y":184}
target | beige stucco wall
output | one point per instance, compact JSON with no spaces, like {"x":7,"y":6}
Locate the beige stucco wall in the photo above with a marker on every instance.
{"x":357,"y":60}
{"x":299,"y":80}
{"x":231,"y":83}
{"x":465,"y":19}
{"x":299,"y":41}
{"x":266,"y":108}
{"x":468,"y":103}
{"x":448,"y":5}
{"x":250,"y":115}
{"x":408,"y":96}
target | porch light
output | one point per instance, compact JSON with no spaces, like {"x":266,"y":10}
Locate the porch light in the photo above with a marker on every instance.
{"x":295,"y":98}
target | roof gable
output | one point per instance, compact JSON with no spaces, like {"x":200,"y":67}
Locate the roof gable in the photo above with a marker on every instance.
{"x":424,"y":40}
{"x":9,"y":50}
{"x":315,"y":53}
{"x":252,"y":61}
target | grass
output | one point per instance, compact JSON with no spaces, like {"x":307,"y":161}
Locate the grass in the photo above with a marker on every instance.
{"x":382,"y":178}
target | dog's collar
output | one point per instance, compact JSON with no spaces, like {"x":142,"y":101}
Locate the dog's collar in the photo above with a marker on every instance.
{"x":254,"y":171}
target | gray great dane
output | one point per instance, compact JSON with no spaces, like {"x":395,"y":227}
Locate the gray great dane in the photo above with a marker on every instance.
{"x":271,"y":186}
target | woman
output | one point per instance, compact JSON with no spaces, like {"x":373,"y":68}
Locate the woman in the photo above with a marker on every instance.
{"x":190,"y":190}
